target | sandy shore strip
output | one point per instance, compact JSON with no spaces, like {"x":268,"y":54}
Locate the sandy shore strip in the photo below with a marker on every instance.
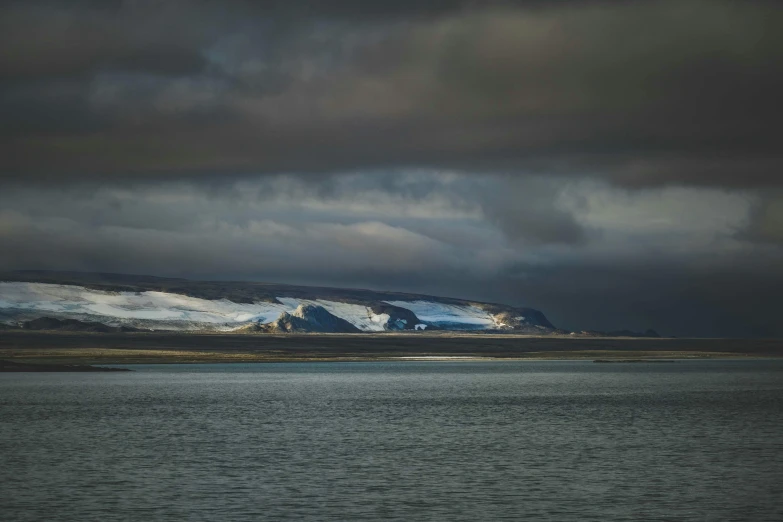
{"x":444,"y":358}
{"x":98,"y":356}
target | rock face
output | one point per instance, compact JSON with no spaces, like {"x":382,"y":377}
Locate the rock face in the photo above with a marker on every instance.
{"x":520,"y":319}
{"x":311,"y":318}
{"x":399,"y":318}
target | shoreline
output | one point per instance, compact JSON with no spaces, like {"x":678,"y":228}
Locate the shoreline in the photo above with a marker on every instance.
{"x":24,"y":367}
{"x":168,"y":348}
{"x":125,"y":357}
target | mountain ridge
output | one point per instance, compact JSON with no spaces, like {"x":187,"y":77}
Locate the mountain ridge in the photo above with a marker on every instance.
{"x":156,"y":303}
{"x":88,"y":301}
{"x":234,"y":290}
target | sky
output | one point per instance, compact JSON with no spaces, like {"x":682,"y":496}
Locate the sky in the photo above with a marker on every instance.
{"x":615,"y":164}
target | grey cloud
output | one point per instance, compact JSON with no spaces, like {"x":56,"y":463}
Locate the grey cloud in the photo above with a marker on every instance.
{"x":766,"y":221}
{"x":526,"y":210}
{"x":642,"y":93}
{"x":264,"y":248}
{"x":61,"y":39}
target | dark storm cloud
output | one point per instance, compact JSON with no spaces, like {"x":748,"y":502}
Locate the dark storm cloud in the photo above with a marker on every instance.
{"x":51,"y":39}
{"x":56,"y":38}
{"x":739,"y":298}
{"x":640,"y":93}
{"x":526,"y":211}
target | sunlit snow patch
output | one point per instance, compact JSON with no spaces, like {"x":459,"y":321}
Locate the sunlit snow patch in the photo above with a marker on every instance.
{"x":462,"y":317}
{"x":126,"y":307}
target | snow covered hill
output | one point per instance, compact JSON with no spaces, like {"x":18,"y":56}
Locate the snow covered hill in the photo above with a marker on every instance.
{"x":303,"y":309}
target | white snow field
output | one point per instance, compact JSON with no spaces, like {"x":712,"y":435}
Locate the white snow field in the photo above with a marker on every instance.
{"x":167,"y":311}
{"x":464,"y":317}
{"x":126,"y":307}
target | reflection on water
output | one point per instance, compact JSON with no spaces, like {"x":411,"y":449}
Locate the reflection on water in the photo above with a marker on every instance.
{"x":691,"y":440}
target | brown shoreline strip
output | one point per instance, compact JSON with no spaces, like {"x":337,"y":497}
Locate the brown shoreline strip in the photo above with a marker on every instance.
{"x":13,"y":367}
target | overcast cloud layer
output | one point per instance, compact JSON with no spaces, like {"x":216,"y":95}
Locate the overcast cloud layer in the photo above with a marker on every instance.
{"x":614,"y":163}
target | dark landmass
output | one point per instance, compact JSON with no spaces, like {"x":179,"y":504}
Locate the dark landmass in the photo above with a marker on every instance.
{"x":245,"y":291}
{"x":512,"y":320}
{"x":515,"y":319}
{"x":11,"y":366}
{"x":157,"y":347}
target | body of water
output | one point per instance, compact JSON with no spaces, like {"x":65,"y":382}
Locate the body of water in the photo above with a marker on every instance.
{"x":561,"y":440}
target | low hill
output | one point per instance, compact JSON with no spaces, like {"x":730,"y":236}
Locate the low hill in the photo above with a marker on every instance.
{"x":81,"y":301}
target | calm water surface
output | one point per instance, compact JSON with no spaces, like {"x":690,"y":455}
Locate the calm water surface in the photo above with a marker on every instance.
{"x":690,"y":440}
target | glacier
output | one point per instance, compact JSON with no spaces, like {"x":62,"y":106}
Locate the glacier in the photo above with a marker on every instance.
{"x":126,"y":307}
{"x":463,"y":317}
{"x":156,"y":310}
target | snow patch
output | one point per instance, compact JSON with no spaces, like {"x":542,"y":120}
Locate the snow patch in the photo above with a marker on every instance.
{"x":77,"y":301}
{"x":381,"y":319}
{"x":162,"y":310}
{"x":460,"y":316}
{"x":161,"y":307}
